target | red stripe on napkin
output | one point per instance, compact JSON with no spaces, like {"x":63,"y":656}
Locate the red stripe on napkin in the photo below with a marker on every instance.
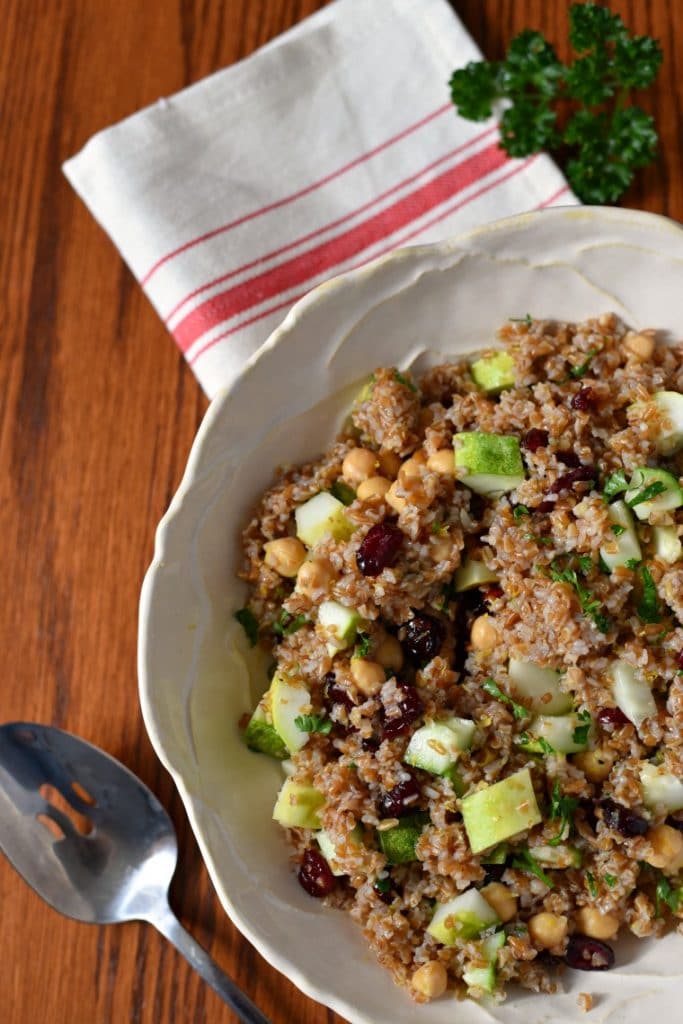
{"x":329,"y":254}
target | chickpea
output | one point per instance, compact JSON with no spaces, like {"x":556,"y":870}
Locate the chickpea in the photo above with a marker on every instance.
{"x":501,"y":899}
{"x":368,"y":676}
{"x":667,"y":846}
{"x":412,"y":466}
{"x":397,"y":501}
{"x":358,"y":465}
{"x":595,"y":764}
{"x":547,"y":930}
{"x":595,"y":925}
{"x":441,"y":549}
{"x":442,"y":462}
{"x":484,"y":635}
{"x":285,"y":555}
{"x":639,"y":346}
{"x":373,"y":487}
{"x":389,"y":653}
{"x":314,"y":575}
{"x":430,"y":980}
{"x":389,"y":464}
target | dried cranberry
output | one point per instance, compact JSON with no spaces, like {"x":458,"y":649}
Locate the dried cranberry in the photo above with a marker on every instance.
{"x":452,"y":817}
{"x":410,"y":707}
{"x":568,"y":458}
{"x":315,"y":875}
{"x":584,"y":954}
{"x":494,"y":872}
{"x":422,"y":637}
{"x":583,"y":399}
{"x":568,"y":480}
{"x":402,"y":799}
{"x":622,"y":819}
{"x":611,"y":718}
{"x":379,"y":548}
{"x":333,"y":693}
{"x":535,"y":439}
{"x":589,"y":816}
{"x":545,"y":506}
{"x":370,"y":744}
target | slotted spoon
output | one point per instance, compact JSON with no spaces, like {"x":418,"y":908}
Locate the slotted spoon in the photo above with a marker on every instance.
{"x":108,"y":855}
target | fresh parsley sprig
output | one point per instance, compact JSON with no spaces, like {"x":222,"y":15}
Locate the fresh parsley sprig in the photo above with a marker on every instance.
{"x":562,"y":808}
{"x":590,"y":605}
{"x":607,"y":139}
{"x":525,"y":862}
{"x":287,"y":624}
{"x":314,"y":723}
{"x":492,"y":688}
{"x":249,"y":624}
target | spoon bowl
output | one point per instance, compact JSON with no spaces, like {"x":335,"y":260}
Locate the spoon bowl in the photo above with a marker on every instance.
{"x":94,"y":841}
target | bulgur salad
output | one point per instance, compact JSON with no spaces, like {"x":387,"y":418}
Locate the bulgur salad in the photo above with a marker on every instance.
{"x":473,"y":601}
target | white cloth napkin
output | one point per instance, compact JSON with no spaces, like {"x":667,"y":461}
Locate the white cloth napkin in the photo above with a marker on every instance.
{"x":330,"y":146}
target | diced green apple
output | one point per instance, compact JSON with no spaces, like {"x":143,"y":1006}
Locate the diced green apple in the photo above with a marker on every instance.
{"x":564,"y":733}
{"x":321,"y":515}
{"x":484,"y":978}
{"x":632,"y":693}
{"x":472,"y":574}
{"x":329,"y":849}
{"x":668,"y":546}
{"x":297,"y":805}
{"x":537,"y":688}
{"x":289,"y":698}
{"x":500,"y":811}
{"x":494,"y":372}
{"x":669,"y":408}
{"x":462,"y":918}
{"x":493,"y":462}
{"x":669,"y":498}
{"x":661,"y":788}
{"x":623,"y":548}
{"x":337,"y":625}
{"x":260,"y":734}
{"x":398,"y":843}
{"x":436,"y":746}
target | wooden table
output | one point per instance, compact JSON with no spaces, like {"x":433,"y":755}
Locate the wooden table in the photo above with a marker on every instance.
{"x":97,"y":417}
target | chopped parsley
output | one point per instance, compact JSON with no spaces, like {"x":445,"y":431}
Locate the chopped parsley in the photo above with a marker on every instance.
{"x":540,"y":742}
{"x":665,"y":893}
{"x":438,"y":527}
{"x":617,"y":530}
{"x":562,"y":809}
{"x":580,"y":734}
{"x":545,"y":541}
{"x":647,"y":493}
{"x":314,"y":723}
{"x":577,"y":372}
{"x":590,"y":882}
{"x":526,"y":319}
{"x":610,"y":880}
{"x":590,"y":605}
{"x":492,"y":688}
{"x":288,"y":624}
{"x":519,"y":511}
{"x":525,"y":862}
{"x":615,"y":484}
{"x":342,"y":492}
{"x":648,"y":606}
{"x":585,"y":563}
{"x":382,"y":885}
{"x":362,"y":648}
{"x":249,"y":624}
{"x":405,"y":381}
{"x":633,"y":563}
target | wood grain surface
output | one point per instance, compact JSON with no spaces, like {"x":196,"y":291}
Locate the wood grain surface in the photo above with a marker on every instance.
{"x":97,"y":415}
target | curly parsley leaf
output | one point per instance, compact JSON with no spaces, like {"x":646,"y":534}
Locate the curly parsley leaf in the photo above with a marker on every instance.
{"x":605,"y":139}
{"x":492,"y":688}
{"x":648,"y":606}
{"x":249,"y":624}
{"x":314,"y":723}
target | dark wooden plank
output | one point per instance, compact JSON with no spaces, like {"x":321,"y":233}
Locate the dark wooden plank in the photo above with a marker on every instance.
{"x":97,"y":416}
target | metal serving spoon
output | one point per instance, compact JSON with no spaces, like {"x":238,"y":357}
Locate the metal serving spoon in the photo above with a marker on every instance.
{"x":108,"y":855}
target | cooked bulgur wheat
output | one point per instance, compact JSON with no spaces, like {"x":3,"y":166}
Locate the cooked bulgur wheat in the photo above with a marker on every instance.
{"x":579,"y":399}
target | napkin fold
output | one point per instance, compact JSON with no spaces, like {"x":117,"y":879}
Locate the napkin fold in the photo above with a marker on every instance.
{"x":328,"y":147}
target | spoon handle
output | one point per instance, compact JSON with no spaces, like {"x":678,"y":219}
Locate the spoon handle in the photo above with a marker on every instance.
{"x":168,"y":924}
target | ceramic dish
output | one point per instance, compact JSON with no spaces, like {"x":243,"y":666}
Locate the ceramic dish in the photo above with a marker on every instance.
{"x":410,"y":309}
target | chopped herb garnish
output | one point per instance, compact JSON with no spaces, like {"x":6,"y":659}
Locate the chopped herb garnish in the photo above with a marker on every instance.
{"x":525,"y":862}
{"x":648,"y":606}
{"x":580,"y":733}
{"x":590,"y":882}
{"x":590,"y":605}
{"x":519,"y":511}
{"x":362,"y":648}
{"x":288,"y":624}
{"x":585,"y":563}
{"x":610,"y":880}
{"x":665,"y":893}
{"x":402,"y":379}
{"x":249,"y":624}
{"x":562,"y":807}
{"x":577,"y":372}
{"x":633,"y":563}
{"x":437,"y":527}
{"x":494,"y":690}
{"x":526,"y":319}
{"x":615,"y":484}
{"x":651,"y":491}
{"x":617,"y":530}
{"x":544,"y":541}
{"x":382,"y":884}
{"x":342,"y":492}
{"x":314,"y":723}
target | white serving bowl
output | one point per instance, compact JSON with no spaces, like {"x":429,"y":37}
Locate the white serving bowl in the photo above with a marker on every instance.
{"x":414,"y":307}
